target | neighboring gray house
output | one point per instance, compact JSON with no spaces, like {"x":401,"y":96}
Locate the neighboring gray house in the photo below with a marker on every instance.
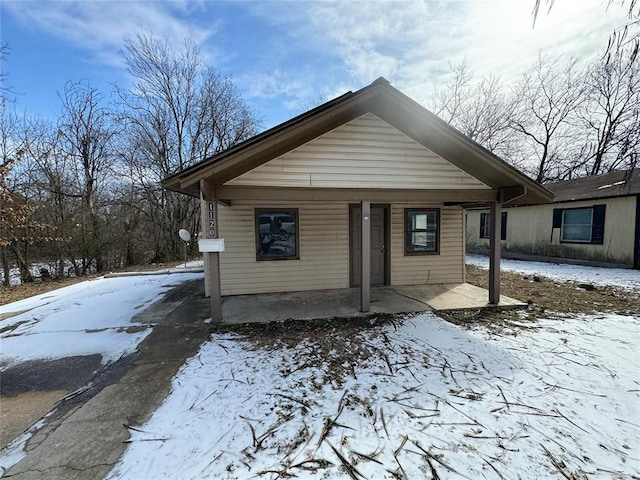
{"x":592,"y":219}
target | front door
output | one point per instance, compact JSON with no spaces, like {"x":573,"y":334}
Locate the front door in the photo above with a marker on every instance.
{"x":378,"y":245}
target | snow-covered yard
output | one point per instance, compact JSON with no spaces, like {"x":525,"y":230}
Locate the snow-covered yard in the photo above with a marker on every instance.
{"x":624,"y":278}
{"x":416,"y":397}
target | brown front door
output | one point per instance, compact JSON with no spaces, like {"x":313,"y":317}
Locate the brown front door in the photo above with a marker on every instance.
{"x":378,"y":245}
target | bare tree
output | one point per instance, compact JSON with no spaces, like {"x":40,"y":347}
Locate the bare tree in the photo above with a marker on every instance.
{"x":548,"y":97}
{"x":611,"y":114}
{"x":86,"y":134}
{"x":450,"y":101}
{"x":177,"y":113}
{"x":481,"y":110}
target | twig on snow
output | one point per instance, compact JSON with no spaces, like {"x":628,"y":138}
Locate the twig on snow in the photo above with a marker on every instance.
{"x":569,"y":420}
{"x":493,"y":467}
{"x":561,"y":466}
{"x":351,"y":470}
{"x":506,"y":402}
{"x":384,"y":423}
{"x":429,"y":455}
{"x":402,"y":444}
{"x":371,"y":457}
{"x":386,"y":359}
{"x":313,"y":464}
{"x":301,"y":402}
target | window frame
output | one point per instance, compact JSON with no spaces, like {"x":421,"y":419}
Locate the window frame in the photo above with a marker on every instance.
{"x":562,"y":226}
{"x":487,"y":224}
{"x":261,"y":257}
{"x":410,"y":211}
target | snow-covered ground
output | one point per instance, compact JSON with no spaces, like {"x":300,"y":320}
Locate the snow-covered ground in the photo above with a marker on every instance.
{"x":14,"y":273}
{"x":418,"y":399}
{"x":615,"y":277}
{"x":82,"y":319}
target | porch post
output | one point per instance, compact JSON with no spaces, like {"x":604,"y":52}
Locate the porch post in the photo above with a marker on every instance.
{"x":365,"y":250}
{"x":494,"y":252}
{"x":212,"y":259}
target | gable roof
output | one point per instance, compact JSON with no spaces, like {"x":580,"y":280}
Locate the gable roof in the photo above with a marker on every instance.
{"x":389,"y":104}
{"x":613,"y":184}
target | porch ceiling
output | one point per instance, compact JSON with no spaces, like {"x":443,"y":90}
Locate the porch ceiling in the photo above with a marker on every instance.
{"x":318,"y":304}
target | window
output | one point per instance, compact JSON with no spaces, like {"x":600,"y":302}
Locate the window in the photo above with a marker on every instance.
{"x":421,"y":231}
{"x":580,"y":225}
{"x":485,"y":226}
{"x":277,"y":234}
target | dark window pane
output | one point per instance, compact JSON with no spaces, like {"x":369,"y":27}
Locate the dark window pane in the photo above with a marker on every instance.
{"x":277,"y":234}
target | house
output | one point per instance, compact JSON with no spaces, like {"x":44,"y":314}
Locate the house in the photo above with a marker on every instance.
{"x":366,"y":189}
{"x":592,"y":219}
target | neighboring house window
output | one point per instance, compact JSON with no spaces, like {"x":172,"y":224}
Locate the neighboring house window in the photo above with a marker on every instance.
{"x":421,"y":231}
{"x":485,"y":226}
{"x":580,"y":225}
{"x":277,"y":234}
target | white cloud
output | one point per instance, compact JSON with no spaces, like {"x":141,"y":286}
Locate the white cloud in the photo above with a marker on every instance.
{"x":293,"y":53}
{"x":100,"y":26}
{"x":412,"y":43}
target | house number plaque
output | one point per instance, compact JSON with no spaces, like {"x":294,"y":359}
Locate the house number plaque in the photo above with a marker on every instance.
{"x":211,"y":215}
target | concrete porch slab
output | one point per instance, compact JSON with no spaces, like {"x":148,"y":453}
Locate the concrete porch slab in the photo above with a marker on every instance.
{"x":458,"y":296}
{"x":317,"y":304}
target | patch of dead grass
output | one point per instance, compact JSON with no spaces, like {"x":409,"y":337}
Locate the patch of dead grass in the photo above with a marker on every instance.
{"x":336,"y":347}
{"x":544,"y":295}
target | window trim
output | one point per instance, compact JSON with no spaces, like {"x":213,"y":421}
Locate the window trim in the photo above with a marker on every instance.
{"x":598,"y":223}
{"x":562,"y":225}
{"x":269,"y":258}
{"x":503,"y":226}
{"x":407,"y":212}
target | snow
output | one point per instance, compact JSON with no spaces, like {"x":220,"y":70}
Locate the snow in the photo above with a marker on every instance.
{"x":616,"y":277}
{"x":544,"y":399}
{"x":90,"y":317}
{"x":423,"y":396}
{"x":83,"y":319}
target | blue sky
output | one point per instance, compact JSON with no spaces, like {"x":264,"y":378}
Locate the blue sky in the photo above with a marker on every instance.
{"x":287,"y":55}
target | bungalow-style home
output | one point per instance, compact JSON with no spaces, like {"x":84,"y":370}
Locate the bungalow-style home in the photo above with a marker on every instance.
{"x":592,"y":219}
{"x":366,"y":189}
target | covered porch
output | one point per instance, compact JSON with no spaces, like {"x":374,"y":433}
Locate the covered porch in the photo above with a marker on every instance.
{"x":345,"y":303}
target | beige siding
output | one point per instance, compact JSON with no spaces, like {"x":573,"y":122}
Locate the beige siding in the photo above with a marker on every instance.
{"x":445,"y":267}
{"x":323,"y":244}
{"x":529,"y":232}
{"x":364,"y":153}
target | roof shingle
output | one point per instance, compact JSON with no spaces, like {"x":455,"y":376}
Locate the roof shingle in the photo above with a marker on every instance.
{"x":613,"y":184}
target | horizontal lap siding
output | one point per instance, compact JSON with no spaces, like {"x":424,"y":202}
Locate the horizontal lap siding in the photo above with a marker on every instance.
{"x":323,"y":246}
{"x":445,"y":267}
{"x":364,"y":153}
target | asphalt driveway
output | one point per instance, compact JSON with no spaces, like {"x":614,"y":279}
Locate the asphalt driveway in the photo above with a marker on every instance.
{"x":94,"y":406}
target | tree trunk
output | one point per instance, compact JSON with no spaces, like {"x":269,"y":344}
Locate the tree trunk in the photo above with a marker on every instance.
{"x":23,"y":266}
{"x":5,"y":267}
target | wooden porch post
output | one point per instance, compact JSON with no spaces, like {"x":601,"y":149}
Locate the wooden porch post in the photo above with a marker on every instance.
{"x":212,"y":263}
{"x":494,"y":252}
{"x":365,"y":249}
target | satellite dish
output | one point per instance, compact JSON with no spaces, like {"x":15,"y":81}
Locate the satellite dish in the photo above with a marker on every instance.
{"x":184,"y":235}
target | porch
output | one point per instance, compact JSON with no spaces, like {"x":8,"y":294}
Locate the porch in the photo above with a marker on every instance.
{"x":317,"y":304}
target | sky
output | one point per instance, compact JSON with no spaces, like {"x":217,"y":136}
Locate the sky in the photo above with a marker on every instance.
{"x":287,"y":56}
